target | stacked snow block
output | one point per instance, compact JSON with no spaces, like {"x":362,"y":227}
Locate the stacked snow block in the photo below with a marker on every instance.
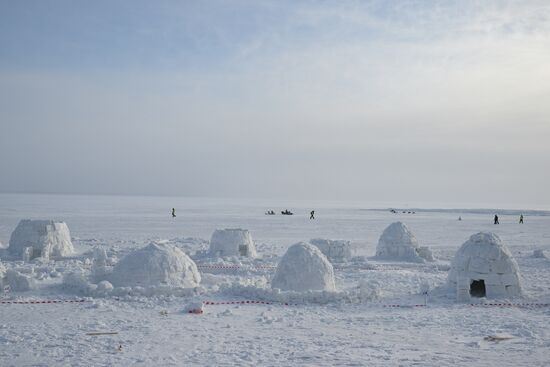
{"x":463,"y":289}
{"x":232,"y":242}
{"x":158,"y":264}
{"x":334,"y":250}
{"x":484,"y":267}
{"x":40,"y":238}
{"x":304,"y":268}
{"x":397,"y":242}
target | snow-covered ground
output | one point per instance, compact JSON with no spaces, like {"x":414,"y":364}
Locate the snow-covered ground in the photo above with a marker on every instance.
{"x":347,"y":327}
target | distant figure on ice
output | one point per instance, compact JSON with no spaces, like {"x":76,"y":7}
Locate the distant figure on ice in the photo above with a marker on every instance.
{"x":521,"y":219}
{"x":496,"y":219}
{"x":286,"y":212}
{"x":459,"y":218}
{"x":312,"y":214}
{"x":173,"y":212}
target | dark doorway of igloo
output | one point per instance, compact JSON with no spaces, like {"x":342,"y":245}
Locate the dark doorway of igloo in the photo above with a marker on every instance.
{"x":477,"y":288}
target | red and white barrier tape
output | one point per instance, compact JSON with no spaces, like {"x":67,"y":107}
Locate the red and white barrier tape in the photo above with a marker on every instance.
{"x":272,"y":267}
{"x":248,"y":302}
{"x":235,"y":267}
{"x":510,"y":304}
{"x":418,"y":305}
{"x":256,"y":302}
{"x":36,"y":302}
{"x":403,"y":306}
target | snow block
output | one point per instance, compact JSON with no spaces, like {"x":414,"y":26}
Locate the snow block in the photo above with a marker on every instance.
{"x":335,"y":250}
{"x":303,"y":268}
{"x":398,"y":243}
{"x":158,"y":264}
{"x":232,"y":242}
{"x":19,"y":282}
{"x":479,"y":265}
{"x":40,"y":238}
{"x":487,"y":259}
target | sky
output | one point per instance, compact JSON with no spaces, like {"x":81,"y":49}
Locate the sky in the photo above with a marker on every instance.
{"x":390,"y":101}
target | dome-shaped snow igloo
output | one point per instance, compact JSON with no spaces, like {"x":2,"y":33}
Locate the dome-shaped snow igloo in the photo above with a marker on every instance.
{"x":484,"y":267}
{"x":232,"y":242}
{"x":303,"y":268}
{"x":40,"y":238}
{"x":399,"y":243}
{"x":155,"y":265}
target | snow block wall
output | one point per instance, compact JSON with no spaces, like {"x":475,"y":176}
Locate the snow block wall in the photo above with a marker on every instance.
{"x":155,"y":265}
{"x":335,"y":250}
{"x":232,"y":242}
{"x":40,"y":238}
{"x":2,"y":273}
{"x":398,"y":243}
{"x":303,"y":268}
{"x":484,"y":267}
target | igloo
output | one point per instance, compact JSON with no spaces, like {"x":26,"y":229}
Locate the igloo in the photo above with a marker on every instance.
{"x":484,"y":267}
{"x":232,"y":242}
{"x":335,"y":250}
{"x":398,"y":243}
{"x":40,"y":238}
{"x":154,"y":265}
{"x":302,"y":268}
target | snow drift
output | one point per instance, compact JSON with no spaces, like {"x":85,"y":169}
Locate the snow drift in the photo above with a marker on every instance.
{"x":40,"y":238}
{"x":399,"y":243}
{"x":303,"y":268}
{"x":232,"y":242}
{"x":155,"y":265}
{"x":484,"y":267}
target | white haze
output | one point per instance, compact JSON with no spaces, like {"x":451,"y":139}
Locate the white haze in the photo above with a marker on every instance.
{"x":374,"y":101}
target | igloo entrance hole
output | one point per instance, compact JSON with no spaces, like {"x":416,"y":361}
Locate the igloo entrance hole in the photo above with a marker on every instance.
{"x":243,"y":250}
{"x":477,"y":288}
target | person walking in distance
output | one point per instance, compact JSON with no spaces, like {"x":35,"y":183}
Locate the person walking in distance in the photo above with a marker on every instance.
{"x":173,"y":212}
{"x":496,"y":219}
{"x":312,"y":214}
{"x":521,"y":219}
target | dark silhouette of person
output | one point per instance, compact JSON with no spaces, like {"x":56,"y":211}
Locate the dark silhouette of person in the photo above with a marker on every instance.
{"x":521,"y":219}
{"x":496,"y":219}
{"x":173,"y":212}
{"x":312,"y":214}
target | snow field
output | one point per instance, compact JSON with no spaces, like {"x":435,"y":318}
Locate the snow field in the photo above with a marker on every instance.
{"x":347,"y":326}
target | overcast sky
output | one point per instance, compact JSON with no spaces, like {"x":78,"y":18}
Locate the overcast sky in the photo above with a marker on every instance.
{"x":396,"y":101}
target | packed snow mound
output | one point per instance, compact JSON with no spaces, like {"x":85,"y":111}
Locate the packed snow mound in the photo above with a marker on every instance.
{"x":399,"y":243}
{"x":232,"y":242}
{"x":18,"y":282}
{"x":335,"y":250}
{"x":40,"y":238}
{"x":158,"y":264}
{"x":484,"y":267}
{"x":303,"y":268}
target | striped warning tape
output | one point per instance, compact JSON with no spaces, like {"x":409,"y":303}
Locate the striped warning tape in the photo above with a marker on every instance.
{"x":510,"y":304}
{"x":247,"y":302}
{"x":272,"y":267}
{"x":37,"y":302}
{"x":403,"y":306}
{"x":235,"y":267}
{"x":256,"y":302}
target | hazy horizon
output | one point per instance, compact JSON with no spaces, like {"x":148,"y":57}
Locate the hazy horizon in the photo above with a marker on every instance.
{"x":368,"y":101}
